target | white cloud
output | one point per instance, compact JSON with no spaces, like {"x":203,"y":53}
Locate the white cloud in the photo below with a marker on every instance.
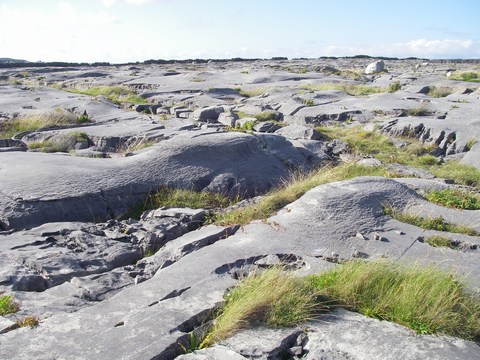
{"x":108,"y":3}
{"x":138,"y":2}
{"x":446,"y":48}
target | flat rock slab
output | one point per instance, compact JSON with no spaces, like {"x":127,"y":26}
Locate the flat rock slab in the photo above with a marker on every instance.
{"x":39,"y":188}
{"x":311,"y":234}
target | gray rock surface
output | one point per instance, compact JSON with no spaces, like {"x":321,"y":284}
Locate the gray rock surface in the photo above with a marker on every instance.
{"x":151,"y":282}
{"x":185,"y":288}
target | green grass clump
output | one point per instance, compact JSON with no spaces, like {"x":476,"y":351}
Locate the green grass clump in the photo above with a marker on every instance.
{"x":458,"y":199}
{"x":394,"y":87}
{"x":470,"y":76}
{"x":460,"y":173}
{"x":179,"y":198}
{"x":425,"y":300}
{"x":251,"y":92}
{"x":7,"y":305}
{"x":307,"y":102}
{"x":352,"y":89}
{"x":265,"y":116}
{"x":437,"y":223}
{"x":469,"y":144}
{"x":274,"y":298}
{"x":116,"y":94}
{"x":418,"y":111}
{"x":439,"y":241}
{"x":35,"y":122}
{"x":298,"y":185}
{"x":380,"y":146}
{"x":438,"y":92}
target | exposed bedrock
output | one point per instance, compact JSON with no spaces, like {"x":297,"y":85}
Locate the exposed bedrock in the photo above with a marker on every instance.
{"x":38,"y":188}
{"x":328,"y":224}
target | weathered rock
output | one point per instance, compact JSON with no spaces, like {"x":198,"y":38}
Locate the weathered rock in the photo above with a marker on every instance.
{"x":68,"y":188}
{"x":296,"y":132}
{"x":12,"y":145}
{"x":209,"y":113}
{"x":266,"y":127}
{"x":375,"y":67}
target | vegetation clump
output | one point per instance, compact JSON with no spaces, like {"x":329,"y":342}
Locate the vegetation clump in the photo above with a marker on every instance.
{"x":291,"y":190}
{"x":251,"y":92}
{"x":454,"y":198}
{"x":352,"y":89}
{"x":179,"y":198}
{"x":57,"y":117}
{"x":273,"y":298}
{"x":425,"y":300}
{"x":28,"y":321}
{"x":471,"y":76}
{"x":438,"y":92}
{"x":439,"y":241}
{"x":394,"y":87}
{"x":7,"y":305}
{"x":116,"y":94}
{"x":436,"y":223}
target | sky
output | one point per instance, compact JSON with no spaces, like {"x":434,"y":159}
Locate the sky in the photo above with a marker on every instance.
{"x":120,"y":31}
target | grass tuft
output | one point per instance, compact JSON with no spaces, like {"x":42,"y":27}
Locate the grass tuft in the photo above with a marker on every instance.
{"x":460,"y":173}
{"x":438,"y":92}
{"x":28,"y":321}
{"x":425,"y":300}
{"x":38,"y":121}
{"x":437,"y":223}
{"x":179,"y":198}
{"x":418,"y":111}
{"x":274,"y":298}
{"x":470,"y":76}
{"x":7,"y":305}
{"x":352,"y":89}
{"x":439,"y":241}
{"x":453,"y":198}
{"x":116,"y":94}
{"x":293,"y":189}
{"x":394,"y":87}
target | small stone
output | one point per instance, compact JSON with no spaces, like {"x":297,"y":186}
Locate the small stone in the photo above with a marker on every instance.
{"x":399,"y":232}
{"x":360,"y":236}
{"x":296,"y":350}
{"x":301,"y":339}
{"x":377,"y":237}
{"x":120,"y":323}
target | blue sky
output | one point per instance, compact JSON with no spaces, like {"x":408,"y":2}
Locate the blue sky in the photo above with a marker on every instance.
{"x":137,"y":30}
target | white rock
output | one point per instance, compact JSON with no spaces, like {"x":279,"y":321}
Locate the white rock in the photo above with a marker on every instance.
{"x":375,"y":67}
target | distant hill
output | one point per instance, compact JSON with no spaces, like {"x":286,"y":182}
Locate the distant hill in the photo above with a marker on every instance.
{"x":10,"y":61}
